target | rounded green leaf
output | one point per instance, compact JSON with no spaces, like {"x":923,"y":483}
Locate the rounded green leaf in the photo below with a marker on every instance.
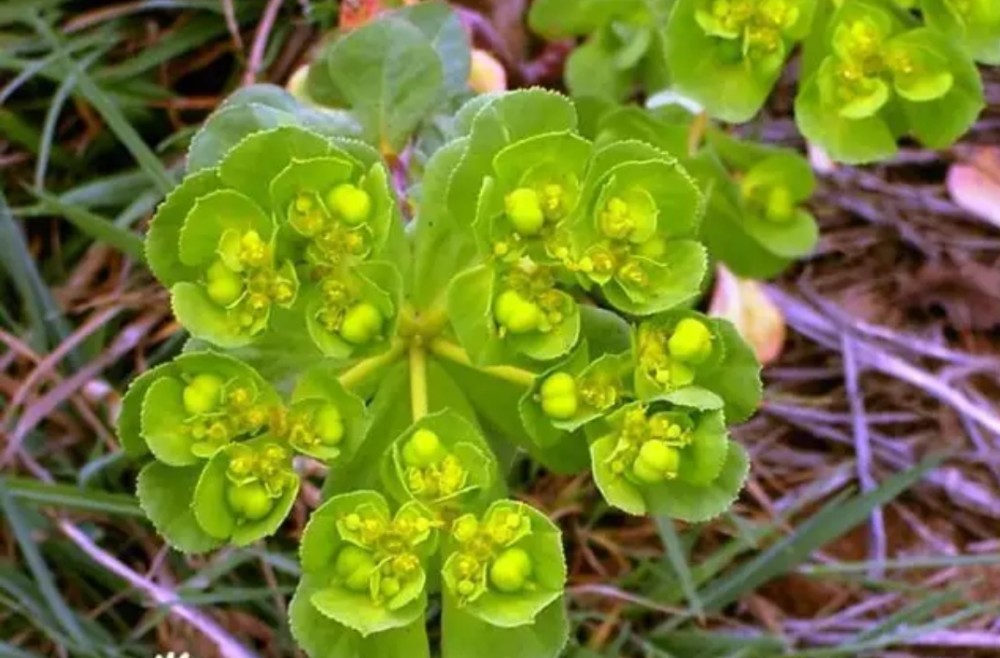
{"x":165,"y":494}
{"x":163,"y":239}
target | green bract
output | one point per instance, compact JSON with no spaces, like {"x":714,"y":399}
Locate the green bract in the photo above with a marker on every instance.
{"x":728,"y":54}
{"x":539,"y":298}
{"x":878,"y":76}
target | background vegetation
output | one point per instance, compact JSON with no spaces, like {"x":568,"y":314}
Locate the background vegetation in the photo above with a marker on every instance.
{"x":869,"y":527}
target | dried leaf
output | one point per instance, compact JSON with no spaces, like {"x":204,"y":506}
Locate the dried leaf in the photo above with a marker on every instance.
{"x":966,"y":291}
{"x":745,"y":303}
{"x":975,"y":185}
{"x":487,"y":73}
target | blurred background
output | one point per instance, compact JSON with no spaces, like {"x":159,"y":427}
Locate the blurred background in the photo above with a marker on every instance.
{"x":854,"y":536}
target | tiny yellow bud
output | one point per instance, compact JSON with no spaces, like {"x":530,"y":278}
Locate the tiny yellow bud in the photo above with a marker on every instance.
{"x":559,"y":399}
{"x":223,"y":285}
{"x":249,"y":501}
{"x":691,"y":341}
{"x":362,"y":323}
{"x":656,"y":462}
{"x":524,"y":210}
{"x":352,"y":204}
{"x":510,"y":571}
{"x":516,"y":314}
{"x":423,"y":449}
{"x":328,"y":424}
{"x":203,"y":394}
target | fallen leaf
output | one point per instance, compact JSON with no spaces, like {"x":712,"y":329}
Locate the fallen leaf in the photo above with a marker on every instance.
{"x":975,"y":185}
{"x":355,"y":13}
{"x":758,"y":319}
{"x":487,"y":73}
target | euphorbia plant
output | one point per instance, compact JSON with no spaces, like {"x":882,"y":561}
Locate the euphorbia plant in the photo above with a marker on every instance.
{"x":541,"y":298}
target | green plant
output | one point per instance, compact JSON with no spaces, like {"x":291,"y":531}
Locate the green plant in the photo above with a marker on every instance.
{"x":539,"y":300}
{"x":872,"y":71}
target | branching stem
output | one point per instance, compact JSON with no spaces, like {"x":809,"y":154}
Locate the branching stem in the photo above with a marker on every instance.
{"x":364,"y":368}
{"x":418,"y":380}
{"x":449,"y":350}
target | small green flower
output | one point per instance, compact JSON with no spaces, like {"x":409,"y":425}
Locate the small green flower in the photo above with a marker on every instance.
{"x":444,"y":463}
{"x":506,"y":566}
{"x":690,"y":341}
{"x":516,"y":314}
{"x":366,"y":567}
{"x":246,"y":490}
{"x":362,"y":323}
{"x":659,"y":454}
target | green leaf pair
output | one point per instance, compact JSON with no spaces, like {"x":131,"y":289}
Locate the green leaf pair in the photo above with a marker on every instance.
{"x":393,"y":73}
{"x":879,"y":76}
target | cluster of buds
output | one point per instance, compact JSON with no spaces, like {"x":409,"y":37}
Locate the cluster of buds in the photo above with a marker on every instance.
{"x":489,"y":554}
{"x":564,"y":396}
{"x":245,"y":281}
{"x":754,"y":27}
{"x":530,"y":302}
{"x":315,"y":427}
{"x":872,"y":56}
{"x":378,"y":555}
{"x":648,"y":448}
{"x":258,"y":474}
{"x":668,"y":357}
{"x":344,"y":312}
{"x":221,"y":411}
{"x":432,"y":472}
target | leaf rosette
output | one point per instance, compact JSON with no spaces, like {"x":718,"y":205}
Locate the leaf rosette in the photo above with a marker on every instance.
{"x":366,"y":567}
{"x":505,"y":567}
{"x":663,"y":458}
{"x":289,"y":221}
{"x":880,"y":76}
{"x":188,"y":409}
{"x":444,"y":463}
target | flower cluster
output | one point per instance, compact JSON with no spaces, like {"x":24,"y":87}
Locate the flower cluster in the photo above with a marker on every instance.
{"x":530,"y":247}
{"x":285,"y":230}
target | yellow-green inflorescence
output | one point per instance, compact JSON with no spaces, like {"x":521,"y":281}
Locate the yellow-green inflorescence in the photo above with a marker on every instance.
{"x":431,"y":472}
{"x":313,"y":425}
{"x":245,"y":281}
{"x":868,"y":63}
{"x":627,"y":225}
{"x":221,"y":411}
{"x":530,"y":302}
{"x":647,"y":448}
{"x":336,"y":224}
{"x":564,"y":396}
{"x":754,"y":28}
{"x":536,"y":210}
{"x":379,"y":556}
{"x":488,"y":555}
{"x":258,"y":475}
{"x":670,"y":357}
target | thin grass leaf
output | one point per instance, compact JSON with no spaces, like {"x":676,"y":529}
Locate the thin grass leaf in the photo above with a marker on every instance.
{"x":825,"y":526}
{"x":111,"y":112}
{"x":677,"y":556}
{"x":67,"y":496}
{"x":97,"y":227}
{"x":48,"y":324}
{"x":43,"y":577}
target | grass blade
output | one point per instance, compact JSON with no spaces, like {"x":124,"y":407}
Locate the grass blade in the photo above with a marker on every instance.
{"x":97,"y":227}
{"x":67,"y":496}
{"x":36,"y":564}
{"x":678,"y":560}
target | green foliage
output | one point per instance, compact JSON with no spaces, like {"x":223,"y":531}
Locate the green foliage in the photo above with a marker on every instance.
{"x":871,"y":72}
{"x":537,"y":301}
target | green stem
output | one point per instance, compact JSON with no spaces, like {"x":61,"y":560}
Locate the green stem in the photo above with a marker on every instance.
{"x":362,"y":369}
{"x":418,"y":380}
{"x":448,"y":350}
